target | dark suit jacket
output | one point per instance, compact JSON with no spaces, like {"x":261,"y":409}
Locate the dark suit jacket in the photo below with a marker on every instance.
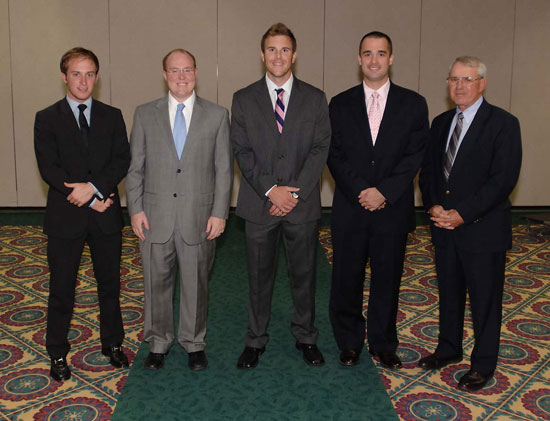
{"x":390,"y":165}
{"x":62,"y":157}
{"x":484,"y":173}
{"x":295,"y":157}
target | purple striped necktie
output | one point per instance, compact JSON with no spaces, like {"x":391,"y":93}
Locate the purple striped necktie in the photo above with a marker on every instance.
{"x":280,"y":109}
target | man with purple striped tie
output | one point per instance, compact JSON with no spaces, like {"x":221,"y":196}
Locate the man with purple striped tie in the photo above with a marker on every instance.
{"x":280,"y":133}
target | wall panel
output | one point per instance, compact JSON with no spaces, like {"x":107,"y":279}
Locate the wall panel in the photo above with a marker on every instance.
{"x":531,"y":99}
{"x":41,"y":31}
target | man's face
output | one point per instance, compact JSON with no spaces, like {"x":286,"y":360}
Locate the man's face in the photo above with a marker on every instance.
{"x":80,"y":78}
{"x":462,"y":92}
{"x":278,"y":58}
{"x":375,"y":61}
{"x":180,"y":75}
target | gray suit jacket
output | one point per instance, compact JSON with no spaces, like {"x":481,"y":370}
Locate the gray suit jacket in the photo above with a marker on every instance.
{"x":295,"y":157}
{"x":174,"y":192}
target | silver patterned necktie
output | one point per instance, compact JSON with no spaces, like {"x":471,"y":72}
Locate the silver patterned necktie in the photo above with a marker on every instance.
{"x":453,"y":147}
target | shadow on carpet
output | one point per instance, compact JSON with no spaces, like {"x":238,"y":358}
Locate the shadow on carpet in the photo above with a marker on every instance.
{"x":282,"y":387}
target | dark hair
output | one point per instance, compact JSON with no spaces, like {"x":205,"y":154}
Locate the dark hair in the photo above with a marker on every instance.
{"x":279,"y":29}
{"x":77,"y":52}
{"x":177,"y":50}
{"x":377,"y":34}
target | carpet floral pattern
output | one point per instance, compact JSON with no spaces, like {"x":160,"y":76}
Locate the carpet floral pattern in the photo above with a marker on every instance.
{"x":520,"y":389}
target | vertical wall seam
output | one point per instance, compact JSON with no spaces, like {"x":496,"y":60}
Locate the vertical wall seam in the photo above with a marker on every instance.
{"x":324,"y":40}
{"x":109,"y":54}
{"x":12,"y":106}
{"x":217,"y":52}
{"x":513,"y":55}
{"x":420,"y":46}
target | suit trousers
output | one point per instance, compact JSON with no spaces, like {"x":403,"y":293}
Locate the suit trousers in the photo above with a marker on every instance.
{"x":482,"y":275}
{"x":192,"y":263}
{"x":64,"y":260}
{"x":353,"y":247}
{"x":262,"y":245}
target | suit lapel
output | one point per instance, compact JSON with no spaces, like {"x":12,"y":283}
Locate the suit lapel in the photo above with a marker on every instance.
{"x":197,"y":121}
{"x":359,"y":112}
{"x":162,"y":117}
{"x":265,"y":106}
{"x":391,"y":114}
{"x":470,"y":138}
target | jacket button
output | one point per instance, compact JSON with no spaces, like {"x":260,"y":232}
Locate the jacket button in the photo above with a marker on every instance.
{"x":447,"y":192}
{"x":372,"y":163}
{"x":178,"y":171}
{"x":175,"y":195}
{"x":281,"y":156}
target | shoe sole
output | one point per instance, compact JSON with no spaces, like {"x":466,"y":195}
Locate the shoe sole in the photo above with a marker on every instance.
{"x":439,"y":367}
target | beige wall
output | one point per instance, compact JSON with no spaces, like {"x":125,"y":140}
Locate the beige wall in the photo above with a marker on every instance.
{"x":130,"y":39}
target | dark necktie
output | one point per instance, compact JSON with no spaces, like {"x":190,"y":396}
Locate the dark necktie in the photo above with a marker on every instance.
{"x":280,"y":109}
{"x":84,"y":128}
{"x":453,"y":147}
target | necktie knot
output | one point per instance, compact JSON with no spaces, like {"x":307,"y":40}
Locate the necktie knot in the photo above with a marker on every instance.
{"x":180,"y":108}
{"x":82,"y":107}
{"x":375,"y":95}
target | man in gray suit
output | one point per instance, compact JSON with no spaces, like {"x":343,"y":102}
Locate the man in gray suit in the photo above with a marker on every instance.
{"x":178,"y":191}
{"x":280,"y":134}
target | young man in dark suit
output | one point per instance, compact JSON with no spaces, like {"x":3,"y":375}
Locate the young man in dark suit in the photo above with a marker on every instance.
{"x":379,"y":133}
{"x":471,"y":167}
{"x":280,"y":133}
{"x":82,"y":153}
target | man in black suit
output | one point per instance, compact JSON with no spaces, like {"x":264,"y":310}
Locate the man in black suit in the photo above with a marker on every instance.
{"x":82,"y":153}
{"x":280,"y":133}
{"x":379,"y":133}
{"x":471,"y":167}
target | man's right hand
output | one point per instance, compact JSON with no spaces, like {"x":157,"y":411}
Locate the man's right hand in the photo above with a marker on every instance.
{"x":139,"y":222}
{"x":282,"y":199}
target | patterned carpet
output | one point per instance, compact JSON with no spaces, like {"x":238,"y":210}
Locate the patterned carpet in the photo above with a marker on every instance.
{"x":520,"y":389}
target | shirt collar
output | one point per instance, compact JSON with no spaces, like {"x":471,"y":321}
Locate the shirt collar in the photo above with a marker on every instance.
{"x":74,"y":104}
{"x":189,"y":102}
{"x":382,"y":91}
{"x":287,"y":86}
{"x":470,"y":112}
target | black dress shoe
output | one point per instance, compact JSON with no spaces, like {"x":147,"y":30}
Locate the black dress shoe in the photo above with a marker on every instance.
{"x":388,"y":359}
{"x":250,"y":357}
{"x":197,"y":360}
{"x":349,"y":357}
{"x":154,"y":361}
{"x":117,"y":358}
{"x":433,"y":362}
{"x":311,"y":354}
{"x":59,"y":370}
{"x":473,"y":380}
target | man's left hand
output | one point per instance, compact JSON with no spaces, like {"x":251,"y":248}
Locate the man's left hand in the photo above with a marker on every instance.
{"x":215,"y":227}
{"x":450,"y":219}
{"x":81,"y":194}
{"x":371,"y":199}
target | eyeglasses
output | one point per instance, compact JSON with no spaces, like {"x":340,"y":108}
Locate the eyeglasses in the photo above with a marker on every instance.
{"x":186,"y":71}
{"x":468,"y":80}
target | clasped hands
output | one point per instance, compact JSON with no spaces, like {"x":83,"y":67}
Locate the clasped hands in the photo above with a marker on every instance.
{"x":371,"y":199}
{"x":282,"y":200}
{"x":82,"y":194}
{"x":446,"y":219}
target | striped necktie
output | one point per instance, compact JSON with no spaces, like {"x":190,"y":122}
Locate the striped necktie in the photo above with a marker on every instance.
{"x":452,"y":149}
{"x":280,"y":109}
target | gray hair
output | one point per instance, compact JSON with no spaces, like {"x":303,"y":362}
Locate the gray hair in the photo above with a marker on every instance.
{"x":471,"y":61}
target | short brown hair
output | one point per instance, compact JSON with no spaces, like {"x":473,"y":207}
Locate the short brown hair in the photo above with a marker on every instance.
{"x":77,"y":52}
{"x":177,"y":50}
{"x":279,"y":29}
{"x":377,"y":34}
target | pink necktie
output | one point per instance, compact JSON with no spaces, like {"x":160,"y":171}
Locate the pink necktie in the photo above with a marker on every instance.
{"x":280,"y":109}
{"x":375,"y":116}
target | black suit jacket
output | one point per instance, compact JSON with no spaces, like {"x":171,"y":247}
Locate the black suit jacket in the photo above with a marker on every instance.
{"x":484,"y":173}
{"x":295,"y":157}
{"x":390,"y":165}
{"x":62,"y":157}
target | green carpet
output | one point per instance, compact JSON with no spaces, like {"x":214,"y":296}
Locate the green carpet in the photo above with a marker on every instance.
{"x":282,"y":387}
